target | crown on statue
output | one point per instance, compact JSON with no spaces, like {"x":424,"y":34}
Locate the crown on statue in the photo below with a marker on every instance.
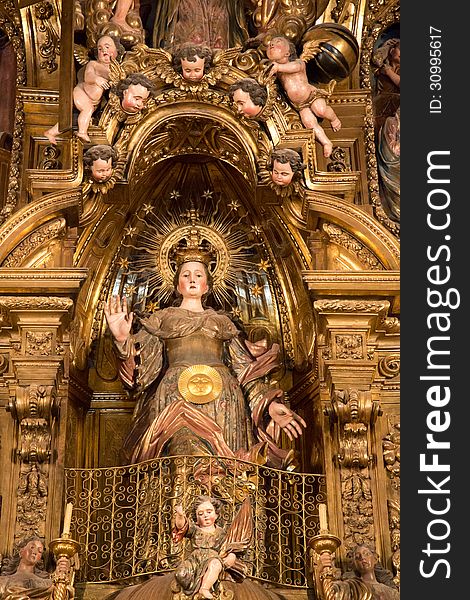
{"x":194,"y":249}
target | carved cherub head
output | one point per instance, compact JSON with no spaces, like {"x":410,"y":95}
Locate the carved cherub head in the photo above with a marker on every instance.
{"x":249,"y":96}
{"x":99,"y":162}
{"x":134,"y":92}
{"x":192,"y":62}
{"x":284,"y":165}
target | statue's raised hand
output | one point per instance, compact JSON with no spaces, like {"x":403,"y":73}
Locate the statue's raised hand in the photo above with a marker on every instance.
{"x":118,"y":318}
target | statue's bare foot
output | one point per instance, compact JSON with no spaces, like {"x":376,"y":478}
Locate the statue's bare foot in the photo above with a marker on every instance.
{"x":205,"y":593}
{"x":336,"y":124}
{"x":51,"y":134}
{"x":123,"y":24}
{"x":83,"y":136}
{"x":327,"y":149}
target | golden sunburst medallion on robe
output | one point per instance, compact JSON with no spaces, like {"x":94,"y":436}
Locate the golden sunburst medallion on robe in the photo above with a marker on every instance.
{"x":200,"y":384}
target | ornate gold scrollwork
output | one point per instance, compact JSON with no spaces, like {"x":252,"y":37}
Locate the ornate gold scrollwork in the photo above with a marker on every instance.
{"x":355,"y":412}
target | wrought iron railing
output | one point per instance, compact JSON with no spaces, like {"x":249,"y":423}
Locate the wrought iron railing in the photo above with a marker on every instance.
{"x":122,"y":515}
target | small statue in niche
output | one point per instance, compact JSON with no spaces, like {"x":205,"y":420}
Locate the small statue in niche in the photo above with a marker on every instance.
{"x":93,"y":81}
{"x":192,"y":62}
{"x":307,"y":99}
{"x":99,"y":162}
{"x":388,"y":163}
{"x":134,"y":92}
{"x":386,"y":97}
{"x":284,"y":165}
{"x":248,"y":96}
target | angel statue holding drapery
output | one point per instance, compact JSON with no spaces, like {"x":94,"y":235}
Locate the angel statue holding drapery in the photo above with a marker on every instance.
{"x":201,"y":386}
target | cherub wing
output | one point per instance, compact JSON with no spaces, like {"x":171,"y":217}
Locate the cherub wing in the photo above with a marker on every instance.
{"x":116,"y":72}
{"x":312,"y":48}
{"x":162,"y":62}
{"x":240,"y":533}
{"x":81,"y":54}
{"x":221,"y":63}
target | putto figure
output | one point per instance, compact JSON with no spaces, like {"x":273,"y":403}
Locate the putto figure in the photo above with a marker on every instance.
{"x":248,"y":96}
{"x":192,"y":62}
{"x":307,"y":99}
{"x":212,"y":553}
{"x":99,"y":162}
{"x":212,"y":392}
{"x":88,"y":92}
{"x":284,"y":165}
{"x":134,"y":91}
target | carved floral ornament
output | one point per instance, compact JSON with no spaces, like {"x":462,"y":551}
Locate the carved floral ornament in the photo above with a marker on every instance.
{"x":35,"y":303}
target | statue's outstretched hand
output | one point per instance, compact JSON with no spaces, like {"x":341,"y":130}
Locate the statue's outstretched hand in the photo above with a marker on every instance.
{"x":118,"y":318}
{"x":289,"y":421}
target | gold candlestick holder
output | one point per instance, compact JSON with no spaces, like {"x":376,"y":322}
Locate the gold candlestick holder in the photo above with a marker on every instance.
{"x":64,"y":546}
{"x":324,"y":542}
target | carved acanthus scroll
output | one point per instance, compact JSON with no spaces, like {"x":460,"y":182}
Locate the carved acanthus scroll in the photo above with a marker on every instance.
{"x":355,"y":412}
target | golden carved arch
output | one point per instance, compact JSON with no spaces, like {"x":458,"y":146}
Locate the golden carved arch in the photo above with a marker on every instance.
{"x":34,"y":215}
{"x":203,"y":129}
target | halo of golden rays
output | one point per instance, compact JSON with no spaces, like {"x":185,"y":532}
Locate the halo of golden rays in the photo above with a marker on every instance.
{"x":153,"y":240}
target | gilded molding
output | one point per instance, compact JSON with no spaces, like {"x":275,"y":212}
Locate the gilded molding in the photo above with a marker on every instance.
{"x":349,"y":306}
{"x":390,"y":324}
{"x":35,"y":303}
{"x":355,"y":413}
{"x":344,"y":239}
{"x":43,"y":234}
{"x":33,"y":95}
{"x":49,"y":47}
{"x":10,"y":22}
{"x":34,"y":214}
{"x":191,"y":134}
{"x":322,"y":203}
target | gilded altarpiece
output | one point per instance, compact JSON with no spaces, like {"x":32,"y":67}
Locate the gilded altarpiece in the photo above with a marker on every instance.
{"x":318,"y":274}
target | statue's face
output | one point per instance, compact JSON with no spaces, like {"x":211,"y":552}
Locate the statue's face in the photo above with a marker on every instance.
{"x":278,"y":50}
{"x":282,"y":173}
{"x":106,"y":49}
{"x":192,"y":280}
{"x":245,"y":105}
{"x":205,"y":514}
{"x":31,"y":554}
{"x":102,"y":169}
{"x":395,"y":54}
{"x":134,"y":98}
{"x":193,"y":70}
{"x":364,"y":560}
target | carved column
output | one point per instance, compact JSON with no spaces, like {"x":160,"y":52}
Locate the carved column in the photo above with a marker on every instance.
{"x":34,"y":348}
{"x":350,"y":347}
